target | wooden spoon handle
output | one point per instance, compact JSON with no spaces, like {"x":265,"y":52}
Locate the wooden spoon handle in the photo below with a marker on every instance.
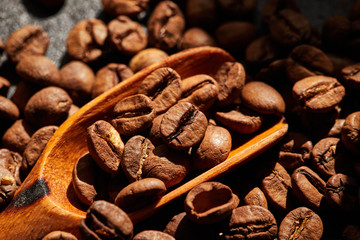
{"x":238,"y":157}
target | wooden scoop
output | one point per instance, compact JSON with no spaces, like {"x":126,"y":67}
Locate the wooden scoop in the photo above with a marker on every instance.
{"x":45,"y":201}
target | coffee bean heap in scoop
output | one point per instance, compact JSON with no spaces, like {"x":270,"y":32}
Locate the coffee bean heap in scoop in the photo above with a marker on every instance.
{"x":305,"y":187}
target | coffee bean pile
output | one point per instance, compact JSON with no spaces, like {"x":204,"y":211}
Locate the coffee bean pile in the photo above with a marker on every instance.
{"x":306,"y":187}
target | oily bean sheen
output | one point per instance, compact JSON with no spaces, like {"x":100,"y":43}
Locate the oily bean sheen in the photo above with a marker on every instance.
{"x":300,"y":224}
{"x":256,"y":197}
{"x":165,"y":25}
{"x":86,"y":40}
{"x":277,"y":188}
{"x":145,"y":58}
{"x":308,"y":187}
{"x":231,"y":78}
{"x":183,"y":126}
{"x":210,"y":202}
{"x":140,"y":193}
{"x":25,"y":41}
{"x":318,"y":93}
{"x":262,"y":98}
{"x":251,"y":222}
{"x":126,"y":35}
{"x":200,"y":90}
{"x":105,"y":220}
{"x":105,"y":146}
{"x":350,"y":133}
{"x":351,"y":75}
{"x":133,"y":114}
{"x":39,"y":69}
{"x":163,"y":87}
{"x":136,"y":150}
{"x":124,"y":7}
{"x":109,"y":76}
{"x":49,"y":106}
{"x":36,"y":146}
{"x":324,"y":155}
{"x":59,"y":235}
{"x":239,"y":119}
{"x":306,"y":60}
{"x":153,"y":234}
{"x":84,"y":179}
{"x":213,"y":149}
{"x":342,"y":192}
{"x":166,"y":164}
{"x":295,"y":150}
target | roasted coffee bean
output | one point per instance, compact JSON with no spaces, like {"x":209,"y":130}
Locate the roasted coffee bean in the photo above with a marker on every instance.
{"x":201,"y":90}
{"x":295,"y":150}
{"x":342,"y":192}
{"x":73,"y":109}
{"x":239,"y":119}
{"x":145,"y":58}
{"x":183,"y":126}
{"x":350,"y":133}
{"x":7,"y":186}
{"x":213,"y":149}
{"x":301,"y":223}
{"x":326,"y":155}
{"x":25,"y":41}
{"x":163,"y":87}
{"x":236,"y":8}
{"x":336,"y":32}
{"x":272,"y":7}
{"x":262,"y":98}
{"x":109,"y":76}
{"x":4,"y":86}
{"x":165,"y":25}
{"x":305,"y":61}
{"x":105,"y":146}
{"x":8,"y":110}
{"x":273,"y":74}
{"x":125,"y":7}
{"x":84,"y":179}
{"x":289,"y":28}
{"x":335,"y":130}
{"x":195,"y":37}
{"x":235,"y":41}
{"x":351,"y":75}
{"x":351,"y":232}
{"x":86,"y":40}
{"x":256,"y":197}
{"x":251,"y":222}
{"x":261,"y":51}
{"x":77,"y":79}
{"x":201,"y":13}
{"x":49,"y":106}
{"x":140,"y":193}
{"x":308,"y":187}
{"x":152,"y":234}
{"x":17,"y":136}
{"x":231,"y":78}
{"x":126,"y":35}
{"x":23,"y":91}
{"x":136,"y":150}
{"x":210,"y":202}
{"x":133,"y":114}
{"x":277,"y":188}
{"x":36,"y":146}
{"x":39,"y":70}
{"x":166,"y":164}
{"x":11,"y":161}
{"x":105,"y":220}
{"x":59,"y":235}
{"x":154,"y":133}
{"x":318,"y":93}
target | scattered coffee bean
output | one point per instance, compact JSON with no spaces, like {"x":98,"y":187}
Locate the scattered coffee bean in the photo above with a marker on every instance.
{"x":152,"y":234}
{"x":145,"y":58}
{"x":59,"y":235}
{"x":195,"y":37}
{"x":124,"y":7}
{"x":256,"y":197}
{"x":350,"y":132}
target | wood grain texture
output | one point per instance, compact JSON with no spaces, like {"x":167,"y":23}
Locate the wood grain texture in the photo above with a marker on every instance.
{"x":57,"y":207}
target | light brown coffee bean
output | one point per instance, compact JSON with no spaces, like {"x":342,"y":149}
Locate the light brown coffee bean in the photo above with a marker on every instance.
{"x":152,"y":234}
{"x":7,"y":186}
{"x":256,"y":197}
{"x":145,"y":58}
{"x":140,"y":193}
{"x":11,"y":161}
{"x":350,"y":133}
{"x":124,"y":7}
{"x":39,"y":70}
{"x":25,"y":41}
{"x":163,"y":87}
{"x":195,"y":37}
{"x":59,"y":235}
{"x":105,"y":146}
{"x":8,"y":110}
{"x":133,"y":114}
{"x":210,"y":202}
